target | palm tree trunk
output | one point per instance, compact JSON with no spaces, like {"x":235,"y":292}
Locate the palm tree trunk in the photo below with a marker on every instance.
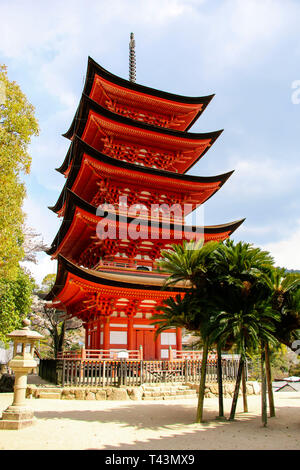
{"x":237,"y":388}
{"x":269,"y":381}
{"x":220,"y":382}
{"x":244,"y":388}
{"x":263,"y":387}
{"x":199,"y":418}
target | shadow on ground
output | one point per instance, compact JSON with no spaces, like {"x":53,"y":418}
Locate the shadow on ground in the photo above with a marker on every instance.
{"x":153,"y":416}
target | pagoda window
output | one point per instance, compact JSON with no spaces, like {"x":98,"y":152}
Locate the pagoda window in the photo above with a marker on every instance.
{"x":168,"y":339}
{"x":148,"y":316}
{"x":118,"y":337}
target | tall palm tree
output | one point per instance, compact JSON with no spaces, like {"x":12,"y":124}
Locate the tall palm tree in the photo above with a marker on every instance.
{"x":194,"y":314}
{"x":243,"y":274}
{"x":284,"y":291}
{"x":285,"y":299}
{"x":191,"y":262}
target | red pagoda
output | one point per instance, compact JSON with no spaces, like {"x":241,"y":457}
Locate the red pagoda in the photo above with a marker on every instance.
{"x":129,"y":154}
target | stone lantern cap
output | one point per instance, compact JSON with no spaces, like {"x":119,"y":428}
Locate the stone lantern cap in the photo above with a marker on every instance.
{"x":25,"y":332}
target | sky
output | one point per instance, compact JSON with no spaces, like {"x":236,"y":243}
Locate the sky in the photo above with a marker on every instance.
{"x":247,"y":52}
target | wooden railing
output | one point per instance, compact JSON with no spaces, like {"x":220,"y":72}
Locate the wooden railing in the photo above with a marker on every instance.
{"x":175,"y":354}
{"x":100,"y":373}
{"x":101,"y":354}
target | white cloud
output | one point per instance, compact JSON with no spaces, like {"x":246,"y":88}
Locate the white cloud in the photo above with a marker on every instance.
{"x":241,"y":32}
{"x":286,"y":252}
{"x":261,"y":176}
{"x":43,"y":267}
{"x":51,"y":40}
{"x":41,"y":219}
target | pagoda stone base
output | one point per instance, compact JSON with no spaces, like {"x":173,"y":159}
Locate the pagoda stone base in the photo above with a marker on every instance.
{"x":16,"y":417}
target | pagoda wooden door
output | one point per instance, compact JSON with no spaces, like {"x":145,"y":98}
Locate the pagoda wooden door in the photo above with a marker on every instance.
{"x":145,"y":338}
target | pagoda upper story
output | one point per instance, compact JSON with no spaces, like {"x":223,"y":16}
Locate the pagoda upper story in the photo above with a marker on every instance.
{"x":136,"y":142}
{"x":142,"y":103}
{"x":125,"y":198}
{"x":110,"y":179}
{"x":124,"y":162}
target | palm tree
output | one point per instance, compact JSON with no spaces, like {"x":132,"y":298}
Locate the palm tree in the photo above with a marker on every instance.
{"x":245,"y":318}
{"x":190,"y":262}
{"x":194,"y":314}
{"x":285,"y":287}
{"x":285,"y":299}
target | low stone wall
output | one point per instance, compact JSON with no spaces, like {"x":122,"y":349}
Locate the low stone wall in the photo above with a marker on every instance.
{"x":85,"y":393}
{"x":211,"y":390}
{"x":163,"y":391}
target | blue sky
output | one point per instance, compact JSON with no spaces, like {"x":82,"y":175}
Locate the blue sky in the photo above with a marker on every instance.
{"x":247,"y":52}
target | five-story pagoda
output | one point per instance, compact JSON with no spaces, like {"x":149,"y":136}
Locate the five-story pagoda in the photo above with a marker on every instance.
{"x":125,"y":198}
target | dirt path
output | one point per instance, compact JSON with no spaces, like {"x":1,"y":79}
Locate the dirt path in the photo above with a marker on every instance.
{"x":153,"y":425}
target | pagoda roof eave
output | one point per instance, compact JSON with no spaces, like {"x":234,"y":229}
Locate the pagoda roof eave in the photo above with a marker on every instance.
{"x":135,"y":282}
{"x":79,"y":147}
{"x":86,"y":104}
{"x":94,"y":68}
{"x":73,"y":201}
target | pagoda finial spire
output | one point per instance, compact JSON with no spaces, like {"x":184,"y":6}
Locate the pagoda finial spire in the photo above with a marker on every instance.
{"x":132,"y":61}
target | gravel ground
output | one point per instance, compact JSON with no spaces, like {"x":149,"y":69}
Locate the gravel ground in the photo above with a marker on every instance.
{"x":153,"y":425}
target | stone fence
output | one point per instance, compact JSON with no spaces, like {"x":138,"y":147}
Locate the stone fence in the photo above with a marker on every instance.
{"x":167,"y":391}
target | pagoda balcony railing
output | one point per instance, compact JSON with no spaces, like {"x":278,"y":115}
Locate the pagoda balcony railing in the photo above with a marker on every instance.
{"x":101,"y":354}
{"x":96,"y":354}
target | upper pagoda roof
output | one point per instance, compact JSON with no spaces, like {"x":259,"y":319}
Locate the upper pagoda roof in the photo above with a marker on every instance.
{"x":87,"y":165}
{"x":165,"y":148}
{"x":141,"y":102}
{"x":78,"y":228}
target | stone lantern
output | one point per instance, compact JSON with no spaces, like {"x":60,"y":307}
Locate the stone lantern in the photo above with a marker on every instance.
{"x":19,"y":415}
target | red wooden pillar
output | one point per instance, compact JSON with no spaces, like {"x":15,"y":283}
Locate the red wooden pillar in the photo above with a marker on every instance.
{"x":178,"y":339}
{"x":98,"y":340}
{"x":106,"y":342}
{"x":130,"y":332}
{"x":157,"y":347}
{"x":88,"y":336}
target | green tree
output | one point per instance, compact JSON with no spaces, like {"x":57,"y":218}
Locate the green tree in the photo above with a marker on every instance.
{"x":191,"y":263}
{"x":47,"y":283}
{"x":15,"y":302}
{"x":17,"y":126}
{"x":285,"y":299}
{"x":283,"y":286}
{"x":245,"y":317}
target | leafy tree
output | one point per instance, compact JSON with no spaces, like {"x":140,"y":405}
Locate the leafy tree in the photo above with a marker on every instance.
{"x":17,"y":126}
{"x":285,"y":299}
{"x":15,"y":302}
{"x":230,"y":291}
{"x":245,"y":317}
{"x":191,"y":262}
{"x":47,"y":283}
